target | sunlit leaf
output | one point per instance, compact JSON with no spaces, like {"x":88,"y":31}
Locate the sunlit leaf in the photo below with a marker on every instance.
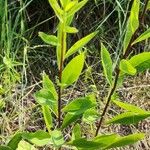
{"x":107,"y":64}
{"x":39,"y":138}
{"x":132,"y":24}
{"x":70,"y":5}
{"x":73,"y":70}
{"x":76,"y":132}
{"x":79,"y":44}
{"x":23,"y":145}
{"x":142,"y":37}
{"x":49,"y":39}
{"x":126,"y":67}
{"x":71,"y":29}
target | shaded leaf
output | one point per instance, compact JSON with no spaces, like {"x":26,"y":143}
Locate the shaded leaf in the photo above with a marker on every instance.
{"x":79,"y":44}
{"x":3,"y":147}
{"x":107,"y":63}
{"x":76,"y":132}
{"x":39,"y":138}
{"x":129,"y":118}
{"x":126,"y":67}
{"x":73,"y":70}
{"x":49,"y":39}
{"x":142,"y":37}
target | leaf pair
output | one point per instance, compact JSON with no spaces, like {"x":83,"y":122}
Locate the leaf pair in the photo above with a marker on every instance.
{"x":132,"y":115}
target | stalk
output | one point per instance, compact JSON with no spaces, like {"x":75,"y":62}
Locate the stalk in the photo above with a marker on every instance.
{"x":113,"y":89}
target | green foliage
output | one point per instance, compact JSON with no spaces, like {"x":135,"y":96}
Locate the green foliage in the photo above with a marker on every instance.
{"x":126,"y":67}
{"x":23,"y":145}
{"x":2,"y":147}
{"x":132,"y":24}
{"x":73,"y":70}
{"x":107,"y":63}
{"x":39,"y":138}
{"x":76,"y":132}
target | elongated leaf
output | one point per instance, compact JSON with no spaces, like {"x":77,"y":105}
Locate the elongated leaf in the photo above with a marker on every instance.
{"x":77,"y":7}
{"x":3,"y":147}
{"x":64,"y":3}
{"x":148,"y":6}
{"x":70,"y":118}
{"x":58,"y":11}
{"x":23,"y":145}
{"x":127,"y":140}
{"x":70,"y":5}
{"x":76,"y":132}
{"x":107,"y":64}
{"x":79,"y":44}
{"x":141,"y":61}
{"x":80,"y":105}
{"x":132,"y":24}
{"x":142,"y":37}
{"x":49,"y":39}
{"x":13,"y":143}
{"x":126,"y":67}
{"x":47,"y":117}
{"x":73,"y":70}
{"x":71,"y":29}
{"x":39,"y":138}
{"x":57,"y":138}
{"x":129,"y":118}
{"x":48,"y":84}
{"x":129,"y":107}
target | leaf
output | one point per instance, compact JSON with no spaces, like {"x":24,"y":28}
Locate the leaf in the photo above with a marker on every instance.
{"x":48,"y":84}
{"x":128,"y":107}
{"x":141,"y":61}
{"x":45,"y":98}
{"x":57,"y":138}
{"x":80,"y":105}
{"x":58,"y":11}
{"x":142,"y":37}
{"x":13,"y":143}
{"x":90,"y":116}
{"x":126,"y":67}
{"x":76,"y":8}
{"x":3,"y":147}
{"x":49,"y":39}
{"x":70,"y":118}
{"x":126,"y":140}
{"x":39,"y":138}
{"x":129,"y":118}
{"x":73,"y":70}
{"x":148,"y":6}
{"x":71,"y":29}
{"x":70,"y":5}
{"x":132,"y":24}
{"x":64,"y":2}
{"x":79,"y":44}
{"x":76,"y":132}
{"x":23,"y":145}
{"x":47,"y":117}
{"x":107,"y":63}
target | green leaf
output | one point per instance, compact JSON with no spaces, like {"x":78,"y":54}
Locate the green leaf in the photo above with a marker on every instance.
{"x":47,"y":117}
{"x":128,"y":107}
{"x":126,"y":67}
{"x":126,"y":140}
{"x":142,"y":37}
{"x":132,"y":24}
{"x":58,"y":11}
{"x":49,"y":39}
{"x":76,"y":8}
{"x":23,"y":145}
{"x":70,"y":118}
{"x":79,"y":44}
{"x":48,"y":84}
{"x":90,"y":116}
{"x":129,"y":118}
{"x":70,"y":5}
{"x":3,"y":147}
{"x":64,"y":3}
{"x":141,"y":61}
{"x":45,"y":98}
{"x":73,"y":70}
{"x":107,"y":63}
{"x":76,"y":132}
{"x":39,"y":138}
{"x":57,"y":138}
{"x":80,"y":105}
{"x":13,"y":143}
{"x":71,"y":29}
{"x":148,"y":6}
